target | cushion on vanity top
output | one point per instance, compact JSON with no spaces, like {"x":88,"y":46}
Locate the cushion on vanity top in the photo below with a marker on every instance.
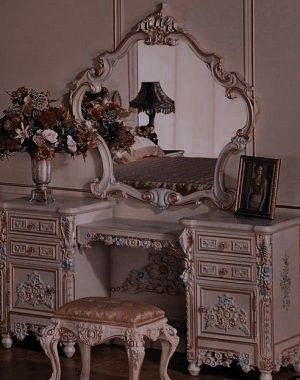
{"x":106,"y":310}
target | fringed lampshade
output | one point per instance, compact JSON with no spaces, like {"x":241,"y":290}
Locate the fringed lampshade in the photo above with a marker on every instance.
{"x":152,"y":99}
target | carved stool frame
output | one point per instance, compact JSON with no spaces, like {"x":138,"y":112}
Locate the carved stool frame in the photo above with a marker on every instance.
{"x":89,"y":334}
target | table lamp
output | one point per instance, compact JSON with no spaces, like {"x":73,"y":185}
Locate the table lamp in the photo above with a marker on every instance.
{"x":152,"y":99}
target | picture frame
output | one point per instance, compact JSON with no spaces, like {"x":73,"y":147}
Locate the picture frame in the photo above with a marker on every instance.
{"x":257,"y":186}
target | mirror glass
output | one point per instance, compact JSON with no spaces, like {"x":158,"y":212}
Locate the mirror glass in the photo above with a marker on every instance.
{"x":204,"y":119}
{"x":175,"y":158}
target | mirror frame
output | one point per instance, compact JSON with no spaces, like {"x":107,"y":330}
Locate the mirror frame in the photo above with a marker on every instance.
{"x":160,"y":29}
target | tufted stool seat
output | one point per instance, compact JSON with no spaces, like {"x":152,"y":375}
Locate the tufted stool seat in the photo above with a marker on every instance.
{"x":92,"y":320}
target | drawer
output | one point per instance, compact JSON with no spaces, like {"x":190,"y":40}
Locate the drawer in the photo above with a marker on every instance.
{"x":223,"y":244}
{"x":229,"y":271}
{"x":34,"y":289}
{"x":33,"y":225}
{"x":22,"y":248}
{"x":224,"y":313}
{"x":18,"y":247}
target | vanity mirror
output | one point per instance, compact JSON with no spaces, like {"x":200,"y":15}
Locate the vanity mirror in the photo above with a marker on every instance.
{"x":213,"y":119}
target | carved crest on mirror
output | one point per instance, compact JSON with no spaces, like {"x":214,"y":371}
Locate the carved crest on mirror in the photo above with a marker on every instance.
{"x":161,"y":29}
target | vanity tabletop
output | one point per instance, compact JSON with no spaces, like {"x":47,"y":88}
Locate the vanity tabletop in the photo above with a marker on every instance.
{"x":62,"y":205}
{"x":227,"y":220}
{"x":135,"y":228}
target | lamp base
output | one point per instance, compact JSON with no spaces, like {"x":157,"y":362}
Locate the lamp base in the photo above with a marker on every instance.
{"x":148,"y":132}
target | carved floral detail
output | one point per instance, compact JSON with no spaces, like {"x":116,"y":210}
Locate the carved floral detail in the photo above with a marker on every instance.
{"x":68,"y":249}
{"x":290,"y":356}
{"x":68,"y":241}
{"x":225,"y":315}
{"x":126,"y":241}
{"x":264,"y":280}
{"x":186,"y":241}
{"x":3,"y":258}
{"x":134,"y":343}
{"x":67,"y":336}
{"x":224,"y":358}
{"x":3,"y":234}
{"x":160,"y":276}
{"x":158,"y":26}
{"x":22,"y":329}
{"x":285,"y":282}
{"x":35,"y":292}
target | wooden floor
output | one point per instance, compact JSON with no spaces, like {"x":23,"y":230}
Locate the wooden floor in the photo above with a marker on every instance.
{"x":110,"y":363}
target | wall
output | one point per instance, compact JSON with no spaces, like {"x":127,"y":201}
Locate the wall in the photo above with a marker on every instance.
{"x":46,"y":44}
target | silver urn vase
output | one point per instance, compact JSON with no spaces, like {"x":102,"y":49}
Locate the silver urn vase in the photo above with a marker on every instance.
{"x":41,"y":176}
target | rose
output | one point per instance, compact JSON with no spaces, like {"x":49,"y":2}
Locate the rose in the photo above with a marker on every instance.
{"x":71,"y":144}
{"x":50,"y":135}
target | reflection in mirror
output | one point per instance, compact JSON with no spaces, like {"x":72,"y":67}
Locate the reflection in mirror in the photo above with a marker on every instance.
{"x":213,"y":120}
{"x":205,"y":119}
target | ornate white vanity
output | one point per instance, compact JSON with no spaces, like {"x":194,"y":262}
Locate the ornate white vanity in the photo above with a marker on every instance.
{"x":241,"y":274}
{"x":242,"y":282}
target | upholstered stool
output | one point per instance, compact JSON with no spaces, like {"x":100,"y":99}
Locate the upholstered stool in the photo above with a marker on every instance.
{"x":93,"y":320}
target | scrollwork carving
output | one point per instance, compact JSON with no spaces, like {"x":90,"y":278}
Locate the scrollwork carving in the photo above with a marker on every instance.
{"x":90,"y":334}
{"x":35,"y":292}
{"x":50,"y":334}
{"x":290,"y":356}
{"x":186,"y":241}
{"x":161,"y":29}
{"x":160,"y":276}
{"x":224,"y":358}
{"x":68,"y":249}
{"x":128,"y":241}
{"x":265,"y":283}
{"x":158,"y":27}
{"x":20,"y":330}
{"x":3,"y":259}
{"x":285,"y":282}
{"x":134,"y":343}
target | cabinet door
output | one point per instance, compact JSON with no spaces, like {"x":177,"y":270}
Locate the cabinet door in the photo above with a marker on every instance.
{"x":34,"y":289}
{"x":226,"y":313}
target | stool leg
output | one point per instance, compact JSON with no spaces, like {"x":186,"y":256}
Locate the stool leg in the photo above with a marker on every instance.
{"x":49,"y":339}
{"x":85,"y":352}
{"x":136,"y":352}
{"x":169,"y":342}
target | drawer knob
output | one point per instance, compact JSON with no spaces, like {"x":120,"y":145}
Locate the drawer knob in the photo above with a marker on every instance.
{"x":30,"y":226}
{"x":222,"y":245}
{"x":223,"y":271}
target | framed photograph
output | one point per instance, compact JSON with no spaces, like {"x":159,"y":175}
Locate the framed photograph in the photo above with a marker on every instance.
{"x":257,"y":186}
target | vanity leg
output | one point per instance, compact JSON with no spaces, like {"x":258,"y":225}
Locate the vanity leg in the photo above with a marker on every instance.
{"x":6,"y":340}
{"x":69,"y":349}
{"x":194,"y":369}
{"x":265,"y":375}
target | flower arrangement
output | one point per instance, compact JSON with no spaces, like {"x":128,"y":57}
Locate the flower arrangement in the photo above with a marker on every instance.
{"x":104,"y":113}
{"x":31,"y":124}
